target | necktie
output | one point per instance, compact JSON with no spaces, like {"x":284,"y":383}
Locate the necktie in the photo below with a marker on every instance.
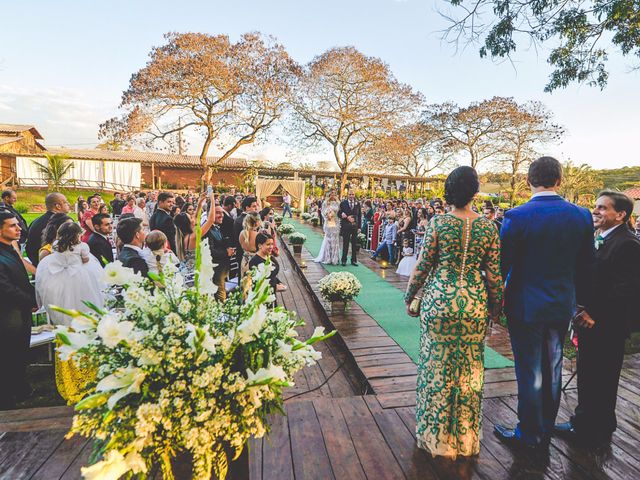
{"x":599,"y":241}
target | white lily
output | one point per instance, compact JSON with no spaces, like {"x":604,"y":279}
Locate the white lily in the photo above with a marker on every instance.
{"x":116,"y":274}
{"x":113,"y":331}
{"x":273,"y":373}
{"x":124,"y":380}
{"x":81,"y":324}
{"x":318,"y":332}
{"x":252,"y":326}
{"x":114,"y":465}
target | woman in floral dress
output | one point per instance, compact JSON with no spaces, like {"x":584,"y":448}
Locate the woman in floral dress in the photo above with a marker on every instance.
{"x":458,"y":303}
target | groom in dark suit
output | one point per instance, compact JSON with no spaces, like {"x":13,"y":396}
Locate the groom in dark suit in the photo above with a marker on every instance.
{"x":350,"y":215}
{"x":547,"y":257}
{"x":605,"y":321}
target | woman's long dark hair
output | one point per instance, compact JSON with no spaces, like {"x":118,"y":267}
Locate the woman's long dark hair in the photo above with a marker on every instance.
{"x":183,"y":223}
{"x":51,"y":230}
{"x":68,"y":236}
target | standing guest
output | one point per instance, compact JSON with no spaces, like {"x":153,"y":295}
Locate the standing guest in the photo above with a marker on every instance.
{"x":389,"y":237}
{"x":85,"y":221}
{"x":221,"y":253}
{"x":17,"y":297}
{"x":130,"y":205}
{"x":150,"y":207}
{"x":226,"y":228}
{"x":140,"y":212}
{"x":320,"y":203}
{"x":9,"y":199}
{"x":51,"y":232}
{"x":459,"y":268}
{"x":237,"y":210}
{"x":249,"y":205}
{"x":80,"y":206}
{"x":264,"y":246}
{"x":404,"y":227}
{"x":489,"y":213}
{"x":286,"y":204}
{"x":190,"y":210}
{"x":350,"y":216}
{"x":547,"y":255}
{"x":378,"y":221}
{"x":186,"y":235}
{"x":117,"y":204}
{"x":132,"y":237}
{"x":103,"y":209}
{"x":55,"y":203}
{"x":367,"y":217}
{"x":162,"y":220}
{"x":605,"y":321}
{"x":99,"y":243}
{"x":637,"y":226}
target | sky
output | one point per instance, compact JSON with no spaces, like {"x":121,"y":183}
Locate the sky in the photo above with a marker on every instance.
{"x":65,"y":64}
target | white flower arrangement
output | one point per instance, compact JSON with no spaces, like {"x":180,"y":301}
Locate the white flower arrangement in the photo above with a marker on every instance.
{"x":178,"y":371}
{"x":297,"y":238}
{"x":339,"y":286}
{"x":286,"y":228}
{"x":305,"y":216}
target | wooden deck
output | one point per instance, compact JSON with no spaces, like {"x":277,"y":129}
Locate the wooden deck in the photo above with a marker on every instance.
{"x":353,"y":416}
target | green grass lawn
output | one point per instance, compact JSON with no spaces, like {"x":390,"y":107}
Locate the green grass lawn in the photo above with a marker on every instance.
{"x":30,"y":197}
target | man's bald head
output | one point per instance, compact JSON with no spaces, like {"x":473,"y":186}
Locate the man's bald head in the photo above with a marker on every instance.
{"x":57,"y":202}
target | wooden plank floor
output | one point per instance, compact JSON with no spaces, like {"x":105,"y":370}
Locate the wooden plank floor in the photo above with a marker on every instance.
{"x":336,"y":432}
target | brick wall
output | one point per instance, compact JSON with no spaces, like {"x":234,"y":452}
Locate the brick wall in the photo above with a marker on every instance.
{"x":189,"y":178}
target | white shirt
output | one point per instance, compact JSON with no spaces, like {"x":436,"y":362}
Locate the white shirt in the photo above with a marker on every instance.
{"x":546,"y":193}
{"x":137,"y":249}
{"x":607,"y":232}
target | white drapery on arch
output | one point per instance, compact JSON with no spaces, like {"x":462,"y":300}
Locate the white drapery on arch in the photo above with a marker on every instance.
{"x":266,"y":186}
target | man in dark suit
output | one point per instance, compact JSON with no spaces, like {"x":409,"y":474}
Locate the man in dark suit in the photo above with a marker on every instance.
{"x":547,"y":256}
{"x":604,"y":322}
{"x":99,"y":243}
{"x":162,"y":220}
{"x":17,"y":297}
{"x":55,"y":203}
{"x":132,"y":235}
{"x":350,"y":215}
{"x":226,"y":228}
{"x":9,"y":199}
{"x":221,"y":252}
{"x":249,"y":204}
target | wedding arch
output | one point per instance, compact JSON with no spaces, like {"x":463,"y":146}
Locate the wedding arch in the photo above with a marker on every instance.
{"x":266,"y":186}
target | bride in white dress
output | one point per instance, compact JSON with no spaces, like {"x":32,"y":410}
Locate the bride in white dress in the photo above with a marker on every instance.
{"x":330,"y":249}
{"x":69,"y":276}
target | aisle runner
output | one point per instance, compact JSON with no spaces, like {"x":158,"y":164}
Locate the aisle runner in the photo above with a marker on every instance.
{"x":384,"y":303}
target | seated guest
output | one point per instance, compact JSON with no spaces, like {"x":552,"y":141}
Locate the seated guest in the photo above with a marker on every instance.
{"x":55,"y":203}
{"x":130,"y":205}
{"x":132,"y":236}
{"x":605,"y":321}
{"x":17,"y":298}
{"x":264,"y":244}
{"x":99,"y":243}
{"x":50,"y":232}
{"x":155,"y":253}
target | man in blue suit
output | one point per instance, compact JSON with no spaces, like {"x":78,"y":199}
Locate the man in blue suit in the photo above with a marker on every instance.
{"x":547,"y":257}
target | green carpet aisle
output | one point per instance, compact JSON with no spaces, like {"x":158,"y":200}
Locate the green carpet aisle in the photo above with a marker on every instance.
{"x":384,"y":302}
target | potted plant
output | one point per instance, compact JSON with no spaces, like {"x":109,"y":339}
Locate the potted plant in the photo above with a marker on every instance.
{"x":339,"y":288}
{"x":285,"y":229}
{"x":315,"y":221}
{"x":180,"y":375}
{"x":306,"y":216}
{"x":297,"y":239}
{"x":278,"y":218}
{"x":295,"y":211}
{"x":362,"y":240}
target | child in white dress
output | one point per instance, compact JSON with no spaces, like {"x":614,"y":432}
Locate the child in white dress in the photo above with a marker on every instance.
{"x":69,"y":276}
{"x":155,"y":253}
{"x":409,"y":260}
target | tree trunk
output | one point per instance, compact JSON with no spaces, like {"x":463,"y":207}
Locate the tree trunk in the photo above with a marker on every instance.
{"x":206,"y":170}
{"x":343,"y":183}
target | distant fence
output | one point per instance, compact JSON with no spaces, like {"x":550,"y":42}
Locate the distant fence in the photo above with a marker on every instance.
{"x":78,"y":184}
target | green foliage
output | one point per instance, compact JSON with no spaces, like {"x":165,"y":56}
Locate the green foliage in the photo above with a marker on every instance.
{"x":54,"y":170}
{"x":580,"y":34}
{"x":315,"y":221}
{"x":286,"y":229}
{"x":297,"y":238}
{"x":21,"y":207}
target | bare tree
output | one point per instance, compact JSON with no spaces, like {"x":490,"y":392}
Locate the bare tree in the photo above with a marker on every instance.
{"x":415,"y":150}
{"x":229,"y":92}
{"x":473,"y":129}
{"x":528,"y":128}
{"x":348,"y":100}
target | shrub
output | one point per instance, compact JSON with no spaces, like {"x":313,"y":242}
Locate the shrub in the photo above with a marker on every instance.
{"x":21,"y":207}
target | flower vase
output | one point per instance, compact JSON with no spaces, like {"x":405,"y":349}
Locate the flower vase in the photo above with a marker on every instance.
{"x":338,"y":306}
{"x":297,"y":248}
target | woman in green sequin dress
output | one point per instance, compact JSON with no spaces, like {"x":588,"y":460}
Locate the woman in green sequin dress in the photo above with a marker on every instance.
{"x":459,"y":268}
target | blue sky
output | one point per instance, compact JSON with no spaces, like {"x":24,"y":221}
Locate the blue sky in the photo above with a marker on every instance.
{"x":64,"y":64}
